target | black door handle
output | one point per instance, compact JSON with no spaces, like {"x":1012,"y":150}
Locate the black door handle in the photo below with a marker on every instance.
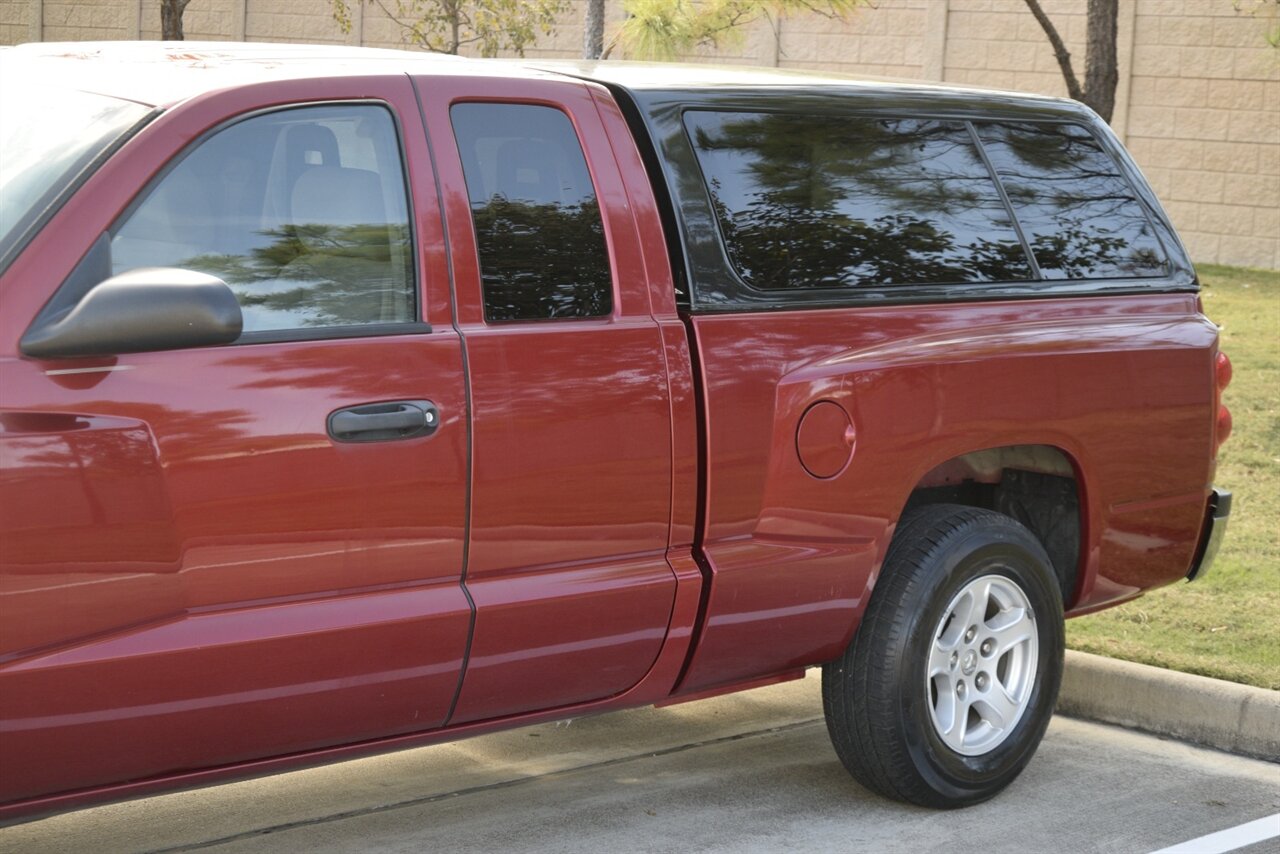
{"x":381,"y":422}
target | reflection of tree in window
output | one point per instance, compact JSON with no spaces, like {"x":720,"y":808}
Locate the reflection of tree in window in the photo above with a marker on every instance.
{"x":340,"y":274}
{"x":1077,"y":210}
{"x":539,"y":233}
{"x":844,"y":201}
{"x":532,"y":259}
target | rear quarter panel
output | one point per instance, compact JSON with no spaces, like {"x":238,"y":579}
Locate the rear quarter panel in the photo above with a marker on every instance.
{"x":1121,"y":385}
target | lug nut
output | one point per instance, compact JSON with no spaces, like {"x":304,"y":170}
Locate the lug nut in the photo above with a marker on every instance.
{"x":955,"y":659}
{"x":988,"y":646}
{"x":960,"y":689}
{"x":970,"y":634}
{"x":981,"y":681}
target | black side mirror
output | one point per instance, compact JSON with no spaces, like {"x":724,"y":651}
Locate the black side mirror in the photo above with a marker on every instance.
{"x":151,"y":308}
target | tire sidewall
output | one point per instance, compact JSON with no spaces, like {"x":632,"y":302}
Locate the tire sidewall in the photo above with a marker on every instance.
{"x":979,"y":551}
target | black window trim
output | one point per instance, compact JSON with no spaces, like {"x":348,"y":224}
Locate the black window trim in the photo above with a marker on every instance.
{"x":70,"y":292}
{"x":614,"y":312}
{"x":652,"y":160}
{"x":1036,"y":274}
{"x":745,"y":297}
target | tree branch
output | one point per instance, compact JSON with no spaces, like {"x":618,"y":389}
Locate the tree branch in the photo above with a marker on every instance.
{"x":612,"y":43}
{"x":1060,"y":51}
{"x":389,"y":14}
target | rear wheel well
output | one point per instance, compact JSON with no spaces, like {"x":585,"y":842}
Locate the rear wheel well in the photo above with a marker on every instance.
{"x":1034,"y":484}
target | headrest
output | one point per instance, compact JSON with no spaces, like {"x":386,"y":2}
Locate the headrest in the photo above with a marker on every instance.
{"x":333,"y":195}
{"x":311,"y":145}
{"x":528,"y":170}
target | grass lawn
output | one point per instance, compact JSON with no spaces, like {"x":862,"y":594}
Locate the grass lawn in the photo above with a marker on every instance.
{"x":1226,"y":625}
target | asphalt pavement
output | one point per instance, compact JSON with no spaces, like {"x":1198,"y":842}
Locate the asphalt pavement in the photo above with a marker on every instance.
{"x":742,"y":773}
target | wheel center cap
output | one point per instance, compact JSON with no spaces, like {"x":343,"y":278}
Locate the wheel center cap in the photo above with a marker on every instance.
{"x":969,"y":662}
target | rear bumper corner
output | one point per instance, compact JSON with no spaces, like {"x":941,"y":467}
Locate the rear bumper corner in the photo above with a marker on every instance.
{"x":1215,"y":528}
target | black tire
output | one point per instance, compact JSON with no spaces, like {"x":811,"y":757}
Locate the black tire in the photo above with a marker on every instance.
{"x":879,"y":699}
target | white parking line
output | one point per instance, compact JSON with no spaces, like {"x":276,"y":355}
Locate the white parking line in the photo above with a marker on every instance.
{"x":1229,"y":839}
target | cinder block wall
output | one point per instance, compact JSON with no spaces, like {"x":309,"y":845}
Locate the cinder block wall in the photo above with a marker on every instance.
{"x":1198,"y":102}
{"x":1204,"y":122}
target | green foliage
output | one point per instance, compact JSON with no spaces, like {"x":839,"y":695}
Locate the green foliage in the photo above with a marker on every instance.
{"x":663,"y":29}
{"x":1224,"y":625}
{"x":326,"y":275}
{"x":542,"y":260}
{"x":445,"y":26}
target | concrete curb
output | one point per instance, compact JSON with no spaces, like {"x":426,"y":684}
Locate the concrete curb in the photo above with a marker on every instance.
{"x":1236,"y":718}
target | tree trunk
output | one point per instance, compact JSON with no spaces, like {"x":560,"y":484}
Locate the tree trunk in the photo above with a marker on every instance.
{"x":455,"y":25}
{"x":171,"y":19}
{"x":1100,"y":72}
{"x":593,"y":30}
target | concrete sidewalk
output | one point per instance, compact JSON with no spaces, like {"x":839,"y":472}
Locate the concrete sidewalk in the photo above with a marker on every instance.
{"x":749,"y":772}
{"x":1091,"y":787}
{"x":1224,"y":715}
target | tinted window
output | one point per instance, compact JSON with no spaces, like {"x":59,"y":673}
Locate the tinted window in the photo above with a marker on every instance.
{"x":848,"y":201}
{"x":1079,"y":213}
{"x":538,"y":227}
{"x":302,"y":212}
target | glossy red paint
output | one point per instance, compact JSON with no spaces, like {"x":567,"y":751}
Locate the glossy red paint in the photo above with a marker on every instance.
{"x":793,"y":558}
{"x":824,"y":439}
{"x":197,"y":584}
{"x":645,"y":222}
{"x":720,"y":691}
{"x":655,"y":687}
{"x":180,"y":528}
{"x":571,"y":446}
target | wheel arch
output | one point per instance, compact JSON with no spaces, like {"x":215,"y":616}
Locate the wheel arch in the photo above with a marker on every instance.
{"x":1039,"y":485}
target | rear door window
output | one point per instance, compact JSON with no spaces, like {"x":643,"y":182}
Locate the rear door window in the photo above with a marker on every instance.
{"x":538,"y":228}
{"x":826,"y":201}
{"x":302,"y":212}
{"x":1080,"y":215}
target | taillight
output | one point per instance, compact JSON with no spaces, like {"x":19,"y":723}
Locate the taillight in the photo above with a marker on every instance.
{"x":1224,"y":424}
{"x":1222,"y":377}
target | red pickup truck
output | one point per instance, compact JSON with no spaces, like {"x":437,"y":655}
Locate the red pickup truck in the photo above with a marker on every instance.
{"x":354,"y":400}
